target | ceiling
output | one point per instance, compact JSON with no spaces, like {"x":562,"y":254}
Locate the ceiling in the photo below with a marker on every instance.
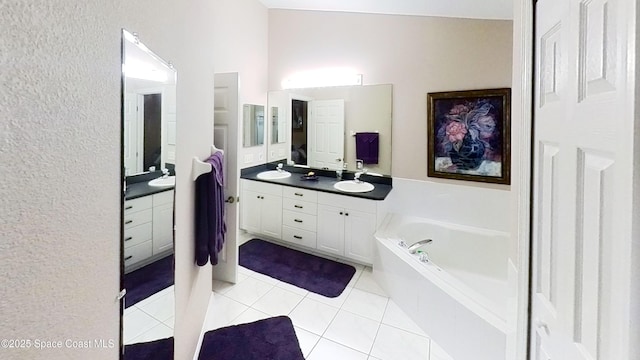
{"x":476,"y":9}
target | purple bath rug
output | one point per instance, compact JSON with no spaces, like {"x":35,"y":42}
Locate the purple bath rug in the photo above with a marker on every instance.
{"x":316,"y":274}
{"x":148,"y":280}
{"x":268,"y":339}
{"x":153,"y":350}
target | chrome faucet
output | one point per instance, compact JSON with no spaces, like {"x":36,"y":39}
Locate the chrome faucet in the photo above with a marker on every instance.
{"x":359,"y":166}
{"x":279,"y":168}
{"x":414,"y":247}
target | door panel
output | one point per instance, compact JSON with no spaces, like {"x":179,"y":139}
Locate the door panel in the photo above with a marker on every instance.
{"x":582,"y":181}
{"x":330,"y":229}
{"x":225,"y":137}
{"x":326,"y":143}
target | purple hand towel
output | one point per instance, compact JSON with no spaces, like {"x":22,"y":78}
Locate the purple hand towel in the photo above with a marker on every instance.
{"x":367,"y":145}
{"x":210,"y":226}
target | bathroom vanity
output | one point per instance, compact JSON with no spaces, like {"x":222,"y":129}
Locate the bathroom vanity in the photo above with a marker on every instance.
{"x":148,"y":219}
{"x":313,"y":215}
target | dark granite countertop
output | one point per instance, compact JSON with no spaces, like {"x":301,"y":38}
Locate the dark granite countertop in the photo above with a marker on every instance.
{"x":325,"y":183}
{"x":143,"y":189}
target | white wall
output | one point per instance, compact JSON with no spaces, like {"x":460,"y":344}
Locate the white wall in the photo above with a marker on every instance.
{"x":240,"y":43}
{"x":60,"y":213}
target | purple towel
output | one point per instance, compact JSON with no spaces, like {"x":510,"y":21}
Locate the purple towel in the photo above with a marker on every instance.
{"x":367,"y":144}
{"x":210,"y":226}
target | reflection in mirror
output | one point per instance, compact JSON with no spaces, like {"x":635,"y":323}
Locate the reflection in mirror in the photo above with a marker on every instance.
{"x":253,"y":125}
{"x":277,"y":126}
{"x":359,"y":130}
{"x":148,"y":125}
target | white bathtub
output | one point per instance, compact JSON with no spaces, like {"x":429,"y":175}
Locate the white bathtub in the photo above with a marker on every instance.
{"x":458,"y":297}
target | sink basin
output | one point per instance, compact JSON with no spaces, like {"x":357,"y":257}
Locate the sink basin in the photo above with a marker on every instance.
{"x":168,"y":181}
{"x":274,"y":175}
{"x":353,"y":187}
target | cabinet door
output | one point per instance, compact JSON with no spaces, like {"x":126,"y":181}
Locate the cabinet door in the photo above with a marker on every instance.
{"x":271,"y":213}
{"x":330,"y":236}
{"x":251,"y":211}
{"x":359,"y":228}
{"x":162,"y":228}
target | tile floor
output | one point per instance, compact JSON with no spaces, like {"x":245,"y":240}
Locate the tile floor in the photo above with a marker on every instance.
{"x":362,"y":323}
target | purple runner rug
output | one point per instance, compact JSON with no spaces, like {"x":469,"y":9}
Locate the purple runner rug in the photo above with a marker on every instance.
{"x":316,"y":274}
{"x":268,"y":339}
{"x":148,"y":280}
{"x":153,"y":350}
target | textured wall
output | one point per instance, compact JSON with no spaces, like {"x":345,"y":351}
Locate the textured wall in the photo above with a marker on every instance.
{"x":60,"y":204}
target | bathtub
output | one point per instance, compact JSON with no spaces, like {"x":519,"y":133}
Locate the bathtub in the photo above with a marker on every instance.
{"x":459,"y":295}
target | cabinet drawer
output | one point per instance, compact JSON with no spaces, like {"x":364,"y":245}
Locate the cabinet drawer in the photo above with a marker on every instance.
{"x":137,"y":234}
{"x":261,"y":187}
{"x":137,"y":218}
{"x":299,"y":220}
{"x":165,"y":197}
{"x":348,"y":202}
{"x":298,"y":205}
{"x":137,"y":253}
{"x":300,"y":194}
{"x":299,"y":236}
{"x":135,"y":205}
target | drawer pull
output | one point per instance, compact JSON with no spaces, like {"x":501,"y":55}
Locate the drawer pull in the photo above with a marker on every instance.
{"x":297,"y":237}
{"x":129,"y":207}
{"x":128,"y":257}
{"x":299,"y":194}
{"x":298,"y":206}
{"x":297,"y":220}
{"x":346,"y":214}
{"x":129,"y":238}
{"x":128,"y":222}
{"x":341,"y":213}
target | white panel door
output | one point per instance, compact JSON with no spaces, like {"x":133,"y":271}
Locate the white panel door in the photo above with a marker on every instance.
{"x":325,"y":148}
{"x":582,"y":181}
{"x":226,"y":137}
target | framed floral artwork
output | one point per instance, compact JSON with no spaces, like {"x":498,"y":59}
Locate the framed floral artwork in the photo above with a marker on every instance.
{"x":469,"y":135}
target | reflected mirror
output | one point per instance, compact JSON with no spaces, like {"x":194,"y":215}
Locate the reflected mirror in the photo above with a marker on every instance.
{"x":148,"y":125}
{"x":253,"y":125}
{"x":333,"y":126}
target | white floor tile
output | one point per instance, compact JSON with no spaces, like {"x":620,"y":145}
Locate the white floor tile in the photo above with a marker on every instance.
{"x":162,"y":308}
{"x":222,"y":310}
{"x":292,"y":288}
{"x":437,"y":353}
{"x":367,"y":283}
{"x":263,"y":277}
{"x":249,"y":291}
{"x":366,"y":304}
{"x":156,"y":296}
{"x":395,"y":317}
{"x":392,"y":344}
{"x":313,"y":316}
{"x":170,"y":322}
{"x":356,"y":276}
{"x":248,"y":316}
{"x":136,"y":323}
{"x":160,"y":331}
{"x":335,"y":302}
{"x":328,"y":350}
{"x":307,"y":340}
{"x":372,"y":358}
{"x":354,"y":331}
{"x":277,"y":301}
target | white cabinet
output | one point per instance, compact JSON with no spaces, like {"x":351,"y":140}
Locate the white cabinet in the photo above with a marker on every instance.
{"x":148,"y":229}
{"x":334,"y":224}
{"x":162,"y":222}
{"x":261,"y":208}
{"x":346,"y":226}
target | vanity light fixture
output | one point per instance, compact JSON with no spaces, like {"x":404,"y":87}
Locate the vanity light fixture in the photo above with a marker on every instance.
{"x":322,"y":78}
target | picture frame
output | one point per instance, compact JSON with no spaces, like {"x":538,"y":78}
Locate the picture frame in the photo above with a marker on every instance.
{"x":469,"y":135}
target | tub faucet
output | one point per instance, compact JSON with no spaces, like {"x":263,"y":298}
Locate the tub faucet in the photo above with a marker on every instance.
{"x":414,"y":247}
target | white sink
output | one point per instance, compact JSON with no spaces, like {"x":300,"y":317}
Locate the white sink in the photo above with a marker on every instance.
{"x":168,"y":181}
{"x":353,"y":187}
{"x":274,"y":175}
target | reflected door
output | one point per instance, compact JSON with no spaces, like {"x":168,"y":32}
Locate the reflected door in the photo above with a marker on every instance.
{"x":326,"y":134}
{"x":226,"y":137}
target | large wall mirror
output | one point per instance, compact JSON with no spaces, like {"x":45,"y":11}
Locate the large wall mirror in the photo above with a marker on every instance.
{"x":148,"y":125}
{"x":329,"y":127}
